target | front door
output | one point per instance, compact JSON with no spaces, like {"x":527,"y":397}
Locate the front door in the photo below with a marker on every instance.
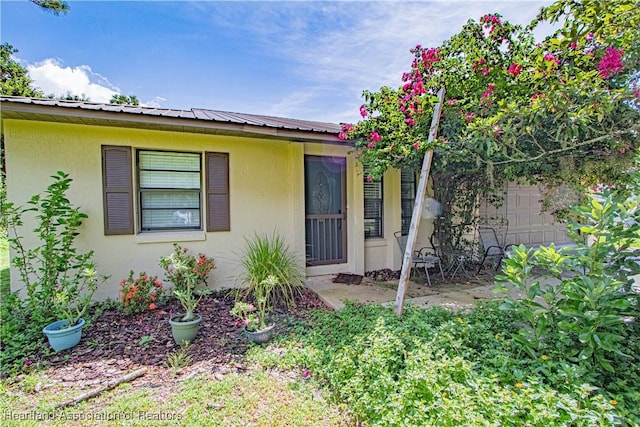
{"x":325,"y":209}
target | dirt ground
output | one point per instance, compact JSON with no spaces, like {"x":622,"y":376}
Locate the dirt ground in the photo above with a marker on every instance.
{"x":115,"y":344}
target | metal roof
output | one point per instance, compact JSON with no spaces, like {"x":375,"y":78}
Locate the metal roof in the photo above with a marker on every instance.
{"x":194,"y":120}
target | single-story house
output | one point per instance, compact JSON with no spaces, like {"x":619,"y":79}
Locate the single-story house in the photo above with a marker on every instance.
{"x":149,"y":177}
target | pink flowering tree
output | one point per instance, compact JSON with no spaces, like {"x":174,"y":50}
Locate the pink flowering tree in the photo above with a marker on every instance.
{"x":561,"y":111}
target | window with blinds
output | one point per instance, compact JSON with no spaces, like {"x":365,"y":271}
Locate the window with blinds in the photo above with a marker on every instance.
{"x":373,"y":208}
{"x":169,"y":190}
{"x":407,"y":197}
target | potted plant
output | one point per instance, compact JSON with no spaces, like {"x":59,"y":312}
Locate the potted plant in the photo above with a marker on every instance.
{"x":254,"y":317}
{"x":187,"y":273}
{"x":72,"y":298}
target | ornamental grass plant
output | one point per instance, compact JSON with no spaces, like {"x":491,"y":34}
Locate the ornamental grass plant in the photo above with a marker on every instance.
{"x":266,"y":257}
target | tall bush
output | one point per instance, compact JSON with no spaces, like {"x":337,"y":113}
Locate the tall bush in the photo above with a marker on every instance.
{"x":54,"y":266}
{"x":578,"y":300}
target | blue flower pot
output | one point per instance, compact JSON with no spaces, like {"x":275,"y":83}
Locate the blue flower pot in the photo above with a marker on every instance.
{"x":60,"y":337}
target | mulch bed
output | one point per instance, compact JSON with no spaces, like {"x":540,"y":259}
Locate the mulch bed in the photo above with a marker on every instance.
{"x":116,"y":344}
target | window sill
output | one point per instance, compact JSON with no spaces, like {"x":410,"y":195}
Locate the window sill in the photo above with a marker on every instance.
{"x":170,"y":236}
{"x":372,"y":242}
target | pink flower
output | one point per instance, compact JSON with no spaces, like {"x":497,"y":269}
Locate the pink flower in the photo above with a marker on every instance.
{"x":485,"y":71}
{"x":306,"y":373}
{"x":342,"y":136}
{"x":27,"y":362}
{"x":410,"y":121}
{"x":371,"y":144}
{"x":416,"y":145}
{"x":515,"y":69}
{"x":611,"y":63}
{"x":469,"y":117}
{"x":363,"y":111}
{"x":430,"y":56}
{"x":589,"y":37}
{"x":452,"y":101}
{"x":368,"y":179}
{"x":374,"y":136}
{"x":488,"y":20}
{"x":573,"y":45}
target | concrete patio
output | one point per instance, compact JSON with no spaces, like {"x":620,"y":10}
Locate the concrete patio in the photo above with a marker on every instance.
{"x":453,"y":297}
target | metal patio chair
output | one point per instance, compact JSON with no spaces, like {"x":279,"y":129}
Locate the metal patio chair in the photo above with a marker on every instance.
{"x":458,"y":254}
{"x":424,"y":257}
{"x":491,"y":246}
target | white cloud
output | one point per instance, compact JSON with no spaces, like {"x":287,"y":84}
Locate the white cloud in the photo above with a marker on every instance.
{"x":156,"y":102}
{"x":52,"y":77}
{"x":352,"y":46}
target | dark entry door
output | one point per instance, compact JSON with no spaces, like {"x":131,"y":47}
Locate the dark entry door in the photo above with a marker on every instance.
{"x":325,"y":209}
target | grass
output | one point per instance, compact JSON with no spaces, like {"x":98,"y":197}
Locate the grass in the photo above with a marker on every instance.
{"x":257,"y":398}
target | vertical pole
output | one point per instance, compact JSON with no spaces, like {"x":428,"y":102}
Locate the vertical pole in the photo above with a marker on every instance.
{"x":417,"y":208}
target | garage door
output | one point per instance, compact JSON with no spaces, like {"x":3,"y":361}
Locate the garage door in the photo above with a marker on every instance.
{"x":528,"y":225}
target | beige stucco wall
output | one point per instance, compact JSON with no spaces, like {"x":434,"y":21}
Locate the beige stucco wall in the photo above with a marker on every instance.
{"x":384,"y":252}
{"x":266,"y":184}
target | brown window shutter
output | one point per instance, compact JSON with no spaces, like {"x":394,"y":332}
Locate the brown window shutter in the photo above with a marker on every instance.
{"x":117,"y":189}
{"x":218,"y":216}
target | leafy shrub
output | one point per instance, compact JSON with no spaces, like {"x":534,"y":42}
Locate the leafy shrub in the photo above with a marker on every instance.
{"x":582,"y":315}
{"x":434,"y":367}
{"x":19,"y":336}
{"x":141,"y":294}
{"x":386,"y":383}
{"x":55,"y":271}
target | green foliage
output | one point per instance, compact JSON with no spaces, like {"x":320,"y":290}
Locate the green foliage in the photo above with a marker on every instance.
{"x":55,"y":6}
{"x":563,"y":112}
{"x":434,"y":367}
{"x":580,"y":313}
{"x":180,"y":358}
{"x":188,"y":274}
{"x":253,"y":317}
{"x":266,"y":257}
{"x":60,"y":281}
{"x":19,"y":335}
{"x":141,"y":294}
{"x":14,"y":80}
{"x":124,"y":99}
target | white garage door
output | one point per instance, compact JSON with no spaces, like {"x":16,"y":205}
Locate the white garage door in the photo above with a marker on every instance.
{"x":527,"y":224}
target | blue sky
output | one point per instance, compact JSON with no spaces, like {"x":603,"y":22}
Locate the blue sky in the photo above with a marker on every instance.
{"x":298,"y":59}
